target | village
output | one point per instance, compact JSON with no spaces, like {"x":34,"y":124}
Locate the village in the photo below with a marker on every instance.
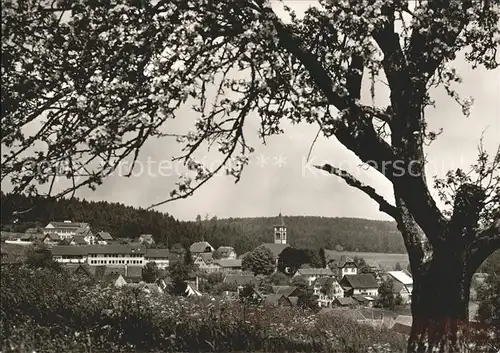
{"x":340,"y":287}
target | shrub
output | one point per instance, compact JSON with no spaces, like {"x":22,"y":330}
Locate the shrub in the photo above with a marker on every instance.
{"x":48,"y":311}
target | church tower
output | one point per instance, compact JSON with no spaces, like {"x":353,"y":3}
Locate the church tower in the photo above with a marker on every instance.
{"x":280,"y":231}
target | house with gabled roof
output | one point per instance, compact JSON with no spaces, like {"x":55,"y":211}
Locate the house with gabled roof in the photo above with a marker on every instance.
{"x":230,"y":265}
{"x":227,"y":252}
{"x":344,"y":302}
{"x":364,"y":283}
{"x":287,"y":291}
{"x":402,"y":324}
{"x":146,"y":239}
{"x":201,"y":247}
{"x":115,"y":280}
{"x":82,"y":270}
{"x":159,"y":256}
{"x":340,"y":264}
{"x":277,"y":300}
{"x":364,"y":300}
{"x":402,"y":284}
{"x":103,"y":238}
{"x":207,"y":263}
{"x":311,"y":274}
{"x":400,"y":289}
{"x":51,"y":239}
{"x":78,"y":240}
{"x":66,"y":229}
{"x":327,"y":289}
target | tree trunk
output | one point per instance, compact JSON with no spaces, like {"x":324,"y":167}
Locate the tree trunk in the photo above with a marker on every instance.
{"x":440,"y":305}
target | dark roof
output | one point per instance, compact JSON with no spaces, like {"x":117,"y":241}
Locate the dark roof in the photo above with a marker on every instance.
{"x":75,"y":268}
{"x":79,"y":239}
{"x":338,"y":259}
{"x":360,"y":298}
{"x":361,"y":281}
{"x":346,"y":301}
{"x":116,"y":249}
{"x":157,"y":253}
{"x":281,"y":222}
{"x":200,"y":247}
{"x":275,"y":249}
{"x":274,"y":299}
{"x":83,"y":231}
{"x":104,"y":236}
{"x":52,"y":236}
{"x":61,"y":250}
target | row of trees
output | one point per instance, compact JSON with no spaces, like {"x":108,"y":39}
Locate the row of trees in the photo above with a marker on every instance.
{"x":244,"y":234}
{"x":261,"y":261}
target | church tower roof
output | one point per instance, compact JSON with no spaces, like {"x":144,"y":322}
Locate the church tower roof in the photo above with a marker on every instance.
{"x":281,"y":221}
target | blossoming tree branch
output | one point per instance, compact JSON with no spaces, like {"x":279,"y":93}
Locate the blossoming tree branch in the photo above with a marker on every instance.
{"x":86,"y":84}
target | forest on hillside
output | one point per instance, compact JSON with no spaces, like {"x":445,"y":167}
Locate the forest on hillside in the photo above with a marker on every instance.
{"x":244,"y":234}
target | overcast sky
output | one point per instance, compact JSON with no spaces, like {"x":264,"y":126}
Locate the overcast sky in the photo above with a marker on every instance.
{"x":285,"y":182}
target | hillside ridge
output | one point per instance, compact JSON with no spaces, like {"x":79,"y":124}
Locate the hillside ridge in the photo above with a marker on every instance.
{"x":244,"y":234}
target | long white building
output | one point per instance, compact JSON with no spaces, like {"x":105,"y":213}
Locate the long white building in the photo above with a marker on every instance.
{"x":66,"y":229}
{"x":114,"y":254}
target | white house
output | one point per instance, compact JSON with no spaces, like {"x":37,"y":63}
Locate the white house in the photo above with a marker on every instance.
{"x":230,"y":265}
{"x":159,"y":256}
{"x":340,"y":264}
{"x":116,"y":254}
{"x":69,"y":254}
{"x":364,"y":283}
{"x":227,"y":252}
{"x":206,"y":262}
{"x":146,"y":238}
{"x":51,"y":239}
{"x":311,"y":274}
{"x":327,"y":289}
{"x":403,"y":284}
{"x":103,"y":238}
{"x":66,"y":229}
{"x":200,"y":247}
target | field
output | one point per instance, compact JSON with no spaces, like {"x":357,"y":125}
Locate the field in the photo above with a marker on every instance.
{"x":383,"y":259}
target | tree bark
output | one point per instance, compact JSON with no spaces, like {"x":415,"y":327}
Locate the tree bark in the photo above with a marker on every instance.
{"x":440,"y":304}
